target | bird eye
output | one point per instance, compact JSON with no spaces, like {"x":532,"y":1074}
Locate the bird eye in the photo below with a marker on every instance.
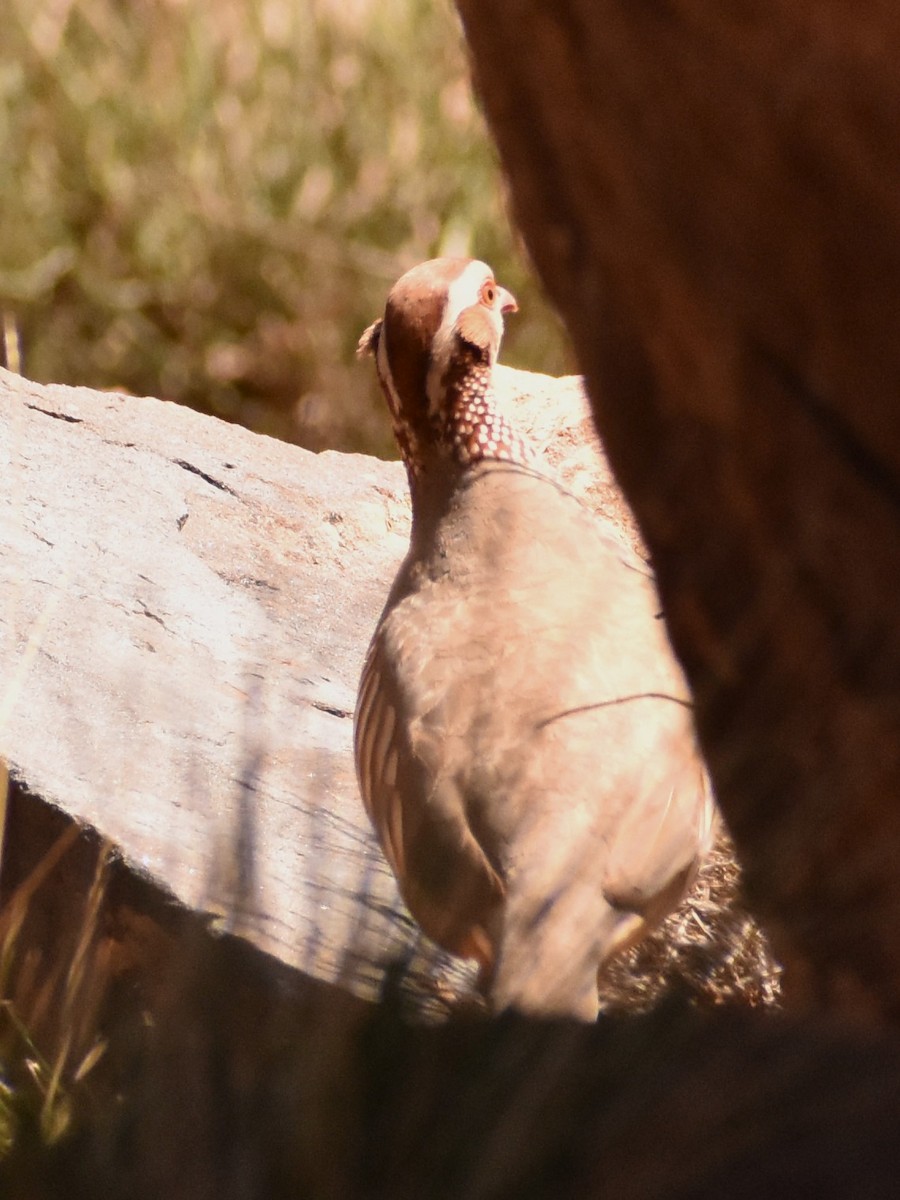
{"x":488,"y":293}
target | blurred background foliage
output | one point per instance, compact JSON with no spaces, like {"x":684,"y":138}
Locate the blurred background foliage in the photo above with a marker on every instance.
{"x":206,"y":200}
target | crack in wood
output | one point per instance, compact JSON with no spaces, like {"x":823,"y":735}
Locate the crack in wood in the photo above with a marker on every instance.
{"x":58,"y":416}
{"x":210,"y":479}
{"x":331,"y":709}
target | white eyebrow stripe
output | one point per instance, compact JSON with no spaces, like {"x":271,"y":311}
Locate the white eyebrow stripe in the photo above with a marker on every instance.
{"x":462,"y":292}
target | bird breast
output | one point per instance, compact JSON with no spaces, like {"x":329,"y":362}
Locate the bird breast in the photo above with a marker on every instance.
{"x":524,"y":635}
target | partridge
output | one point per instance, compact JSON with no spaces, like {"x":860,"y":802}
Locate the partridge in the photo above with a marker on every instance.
{"x":523,"y":734}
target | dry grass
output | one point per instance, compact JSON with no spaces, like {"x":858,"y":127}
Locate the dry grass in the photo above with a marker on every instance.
{"x":146,"y":1057}
{"x":101,"y":1021}
{"x":709,"y":950}
{"x":208,"y":202}
{"x":61,"y":997}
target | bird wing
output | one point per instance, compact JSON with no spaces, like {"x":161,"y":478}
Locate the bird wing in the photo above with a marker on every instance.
{"x":662,"y":837}
{"x":419,"y":817}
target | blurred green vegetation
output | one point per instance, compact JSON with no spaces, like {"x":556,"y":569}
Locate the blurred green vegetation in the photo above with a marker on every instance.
{"x":206,"y":200}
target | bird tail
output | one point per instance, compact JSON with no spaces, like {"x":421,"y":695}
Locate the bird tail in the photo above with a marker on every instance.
{"x":546,"y":966}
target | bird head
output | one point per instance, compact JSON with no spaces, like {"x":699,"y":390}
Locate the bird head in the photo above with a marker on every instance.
{"x":440,"y":310}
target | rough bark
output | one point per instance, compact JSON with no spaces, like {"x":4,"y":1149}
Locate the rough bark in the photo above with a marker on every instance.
{"x":712,"y":197}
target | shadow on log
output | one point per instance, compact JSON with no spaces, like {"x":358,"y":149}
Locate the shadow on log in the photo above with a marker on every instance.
{"x":711,"y":197}
{"x":301,"y":1090}
{"x":228,"y":1074}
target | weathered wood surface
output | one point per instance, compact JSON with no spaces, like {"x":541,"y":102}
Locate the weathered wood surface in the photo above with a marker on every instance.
{"x":184,"y":608}
{"x":712,"y":196}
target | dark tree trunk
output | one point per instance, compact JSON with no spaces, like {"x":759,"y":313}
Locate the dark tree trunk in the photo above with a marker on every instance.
{"x":711,"y":194}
